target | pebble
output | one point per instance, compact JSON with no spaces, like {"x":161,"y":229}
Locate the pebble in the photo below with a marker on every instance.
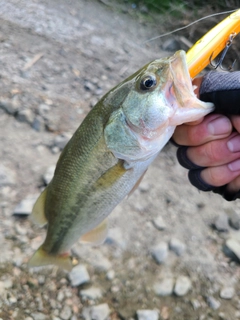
{"x":115,"y":237}
{"x":227,"y":293}
{"x":164,"y":287}
{"x":7,"y":176}
{"x":38,"y":316}
{"x":195,"y":304}
{"x":11,"y":107}
{"x":79,"y":275}
{"x":177,"y":246}
{"x":91,"y":293}
{"x":232,"y":248}
{"x":43,"y":109}
{"x":234,"y":220}
{"x":61,"y":140}
{"x":24,"y":208}
{"x":182,"y":286}
{"x":25,"y":115}
{"x":38,"y":123}
{"x":110,"y":275}
{"x":102,"y":264}
{"x":99,"y":312}
{"x":147,"y":314}
{"x":48,"y":175}
{"x":160,"y":252}
{"x":213,"y":303}
{"x":159,"y":223}
{"x":221,"y":222}
{"x":66,"y":313}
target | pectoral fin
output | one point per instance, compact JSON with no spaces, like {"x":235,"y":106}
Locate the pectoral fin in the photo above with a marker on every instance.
{"x":97,"y":235}
{"x":136,"y":184}
{"x":38,"y":214}
{"x":42,"y":258}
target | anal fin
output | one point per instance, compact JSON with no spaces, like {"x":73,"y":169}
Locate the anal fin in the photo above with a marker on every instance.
{"x":38,"y":214}
{"x":97,"y":235}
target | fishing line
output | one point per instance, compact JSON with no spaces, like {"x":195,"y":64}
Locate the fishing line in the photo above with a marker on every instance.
{"x":190,"y":24}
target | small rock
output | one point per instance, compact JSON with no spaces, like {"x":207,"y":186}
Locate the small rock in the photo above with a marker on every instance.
{"x":102,"y":264}
{"x":110,"y":275}
{"x":227,"y":293}
{"x":66,"y":313}
{"x":24,"y":208}
{"x":43,"y":109}
{"x":25,"y":115}
{"x":48,"y":175}
{"x":196,"y":304}
{"x":182,"y":286}
{"x":91,"y":294}
{"x":221,"y":222}
{"x":20,"y":230}
{"x":11,"y":107}
{"x":38,"y":123}
{"x":99,"y":312}
{"x":159,"y":223}
{"x":234,"y":220}
{"x":164,"y":287}
{"x":61,"y":140}
{"x":41,"y":279}
{"x":7,"y":283}
{"x":213,"y":303}
{"x":177,"y":246}
{"x":7,"y":176}
{"x":232,"y":248}
{"x":89,"y":86}
{"x":38,"y":316}
{"x":160,"y":252}
{"x":79,"y":275}
{"x":148,"y":314}
{"x":116,"y":238}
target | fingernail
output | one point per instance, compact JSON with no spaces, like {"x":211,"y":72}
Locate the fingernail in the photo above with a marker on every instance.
{"x":235,"y":165}
{"x":219,"y":126}
{"x":234,"y":144}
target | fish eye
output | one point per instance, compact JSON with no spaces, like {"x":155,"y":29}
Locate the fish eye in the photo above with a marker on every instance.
{"x":148,"y":82}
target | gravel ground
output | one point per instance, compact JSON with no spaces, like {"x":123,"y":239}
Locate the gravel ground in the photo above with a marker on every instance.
{"x":171,"y":253}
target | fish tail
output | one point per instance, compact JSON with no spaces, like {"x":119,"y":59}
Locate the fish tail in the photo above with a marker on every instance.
{"x":42,"y":258}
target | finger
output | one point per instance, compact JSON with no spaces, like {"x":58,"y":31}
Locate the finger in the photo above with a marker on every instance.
{"x":234,"y":186}
{"x":236,"y":122}
{"x":211,"y":128}
{"x":215,"y":153}
{"x":221,"y":175}
{"x":207,"y":179}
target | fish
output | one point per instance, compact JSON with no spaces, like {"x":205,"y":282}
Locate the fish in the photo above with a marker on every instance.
{"x":110,"y":152}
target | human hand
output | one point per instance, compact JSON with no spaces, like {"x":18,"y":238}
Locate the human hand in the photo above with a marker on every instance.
{"x":210,"y":150}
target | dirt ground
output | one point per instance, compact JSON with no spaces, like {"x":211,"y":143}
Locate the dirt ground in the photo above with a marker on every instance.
{"x":57,"y":59}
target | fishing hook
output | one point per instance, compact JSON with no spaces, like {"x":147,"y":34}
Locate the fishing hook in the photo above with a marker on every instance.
{"x":219,"y":63}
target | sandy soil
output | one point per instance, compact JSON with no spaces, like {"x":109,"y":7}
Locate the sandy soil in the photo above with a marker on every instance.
{"x":57,"y":59}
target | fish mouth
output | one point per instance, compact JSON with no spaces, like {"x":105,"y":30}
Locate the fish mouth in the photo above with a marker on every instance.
{"x":188,"y":107}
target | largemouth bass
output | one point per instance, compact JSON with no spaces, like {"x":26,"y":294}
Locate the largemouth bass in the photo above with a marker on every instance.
{"x":110,"y":152}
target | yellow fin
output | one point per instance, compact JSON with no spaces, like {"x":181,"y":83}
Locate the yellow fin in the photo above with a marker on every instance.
{"x":42,"y":258}
{"x":97,"y":235}
{"x":38,"y":214}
